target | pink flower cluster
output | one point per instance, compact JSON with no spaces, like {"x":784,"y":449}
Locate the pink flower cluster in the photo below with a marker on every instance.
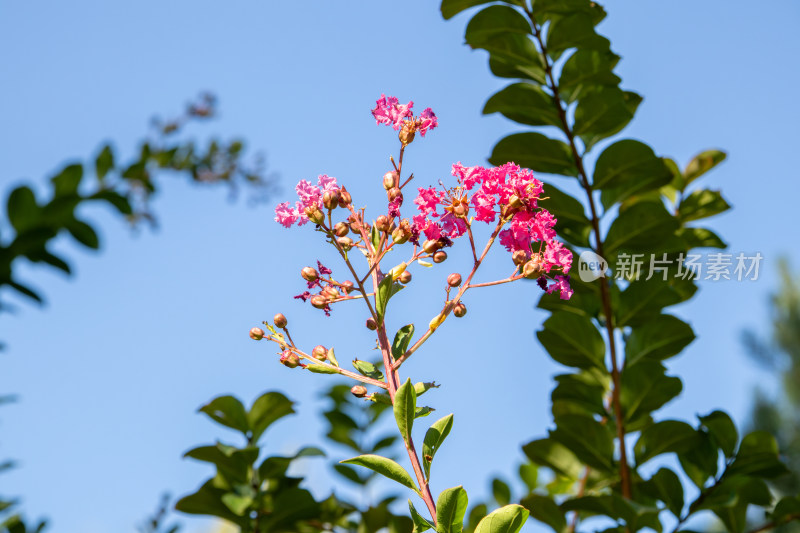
{"x":500,"y":191}
{"x":310,"y":196}
{"x":389,"y":111}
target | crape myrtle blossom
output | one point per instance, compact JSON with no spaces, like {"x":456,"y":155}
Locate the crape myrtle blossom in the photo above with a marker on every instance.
{"x":389,"y":111}
{"x":310,"y":196}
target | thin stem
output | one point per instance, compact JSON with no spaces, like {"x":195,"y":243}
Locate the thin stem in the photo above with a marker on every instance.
{"x":498,"y":282}
{"x":604,"y":290}
{"x":581,"y":489}
{"x":342,"y":371}
{"x":472,"y":242}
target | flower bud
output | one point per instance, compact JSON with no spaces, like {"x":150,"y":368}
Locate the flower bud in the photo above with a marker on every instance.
{"x":533,"y":268}
{"x":405,"y":277}
{"x":314,"y":214}
{"x":341,"y":229}
{"x":430,"y":246}
{"x":347,"y":286}
{"x":382,"y":223}
{"x":280,"y":320}
{"x":514,"y":201}
{"x":440,"y":256}
{"x":330,"y":292}
{"x":394,"y":193}
{"x":407,"y":132}
{"x":390,"y":179}
{"x":309,"y":274}
{"x":397,"y":271}
{"x":320,"y":353}
{"x":345,"y":242}
{"x":359,"y":391}
{"x":454,"y":279}
{"x":344,"y":198}
{"x":399,"y":236}
{"x":330,"y":199}
{"x":319,"y":301}
{"x":460,"y":310}
{"x":256,"y":334}
{"x":519,"y":257}
{"x":371,"y":324}
{"x":461,"y":211}
{"x":290,"y":359}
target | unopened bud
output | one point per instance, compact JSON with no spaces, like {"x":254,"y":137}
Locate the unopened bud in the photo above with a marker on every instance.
{"x":330,"y":292}
{"x":290,"y":359}
{"x":345,"y":242}
{"x":454,"y":279}
{"x":397,"y":271}
{"x":371,"y":324}
{"x":405,"y":277}
{"x":440,"y":256}
{"x":314,"y":214}
{"x":399,"y":236}
{"x":344,"y":198}
{"x":320,"y":353}
{"x":394,"y":193}
{"x":359,"y":391}
{"x":256,"y":334}
{"x":514,"y":201}
{"x":319,"y":301}
{"x":309,"y":274}
{"x":430,"y":246}
{"x":460,"y":211}
{"x":382,"y":223}
{"x":460,"y":310}
{"x":407,"y":133}
{"x":280,"y":320}
{"x":341,"y":229}
{"x":347,"y":286}
{"x":390,"y":180}
{"x":532,"y":269}
{"x":519,"y":257}
{"x":330,"y":199}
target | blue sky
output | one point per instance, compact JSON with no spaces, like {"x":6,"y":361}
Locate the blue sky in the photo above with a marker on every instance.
{"x":111,"y":371}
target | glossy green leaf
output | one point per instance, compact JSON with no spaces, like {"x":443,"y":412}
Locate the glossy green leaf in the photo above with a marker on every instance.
{"x":590,"y":441}
{"x":451,"y":506}
{"x":666,"y":436}
{"x":602,"y":113}
{"x":722,"y":431}
{"x":555,"y":456}
{"x":104,"y":162}
{"x":422,"y":387}
{"x":493,"y":20}
{"x":227,"y":411}
{"x":420,"y":523}
{"x":702,"y":204}
{"x":451,"y":8}
{"x":434,"y":438}
{"x":700,"y":460}
{"x":665,"y":485}
{"x":515,"y":56}
{"x":643,"y":300}
{"x":536,"y":152}
{"x":508,"y":519}
{"x":702,"y":163}
{"x":586,"y":70}
{"x":382,"y":297}
{"x":402,"y":339}
{"x":267,"y":409}
{"x":575,"y":30}
{"x":367,"y":369}
{"x":385,"y":467}
{"x":642,"y":228}
{"x":545,"y":510}
{"x":659,"y":339}
{"x":701,"y":238}
{"x":646,"y":388}
{"x":572,"y":340}
{"x":627,"y":168}
{"x":573,"y":225}
{"x":321,"y":369}
{"x":580,"y":393}
{"x":501,"y":492}
{"x":405,"y":407}
{"x":525,"y":103}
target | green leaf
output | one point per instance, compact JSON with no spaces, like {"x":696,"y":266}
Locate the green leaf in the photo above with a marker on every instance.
{"x":227,"y":411}
{"x":493,"y":20}
{"x":664,"y":437}
{"x":405,"y":406}
{"x":665,"y":485}
{"x":575,"y":30}
{"x":572,"y":225}
{"x":572,"y":340}
{"x":267,"y":409}
{"x":385,"y":467}
{"x":422,"y":387}
{"x":68,"y":180}
{"x":21,"y":209}
{"x":626,"y":168}
{"x":702,"y":163}
{"x":232,"y":463}
{"x":785,"y":509}
{"x":84,"y":234}
{"x":701,"y":238}
{"x":450,"y":509}
{"x":700,"y":460}
{"x":420,"y":523}
{"x":590,"y":441}
{"x":208,"y":501}
{"x":434,"y":438}
{"x":501,"y":492}
{"x":643,"y":301}
{"x":508,"y":519}
{"x":555,"y":456}
{"x":545,"y":510}
{"x":332,"y":357}
{"x":580,"y":393}
{"x":643,"y":227}
{"x":115,"y":199}
{"x":401,"y":340}
{"x":104,"y":162}
{"x":758,"y":456}
{"x":515,"y":56}
{"x":525,"y":103}
{"x":382,"y":297}
{"x":584,"y":71}
{"x":659,"y":339}
{"x":451,"y":8}
{"x":423,"y":411}
{"x":321,"y":369}
{"x":536,"y":152}
{"x":237,"y":504}
{"x":702,"y":204}
{"x":646,"y":388}
{"x":722,"y":431}
{"x":367,"y":369}
{"x":600,"y":114}
{"x":375,"y":237}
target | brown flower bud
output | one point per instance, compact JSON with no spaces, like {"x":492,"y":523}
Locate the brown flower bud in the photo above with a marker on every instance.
{"x":371,"y":324}
{"x":461,"y":211}
{"x":533,"y":268}
{"x":314,"y":214}
{"x":347,"y":286}
{"x":430,"y":246}
{"x":460,"y":310}
{"x":341,"y":229}
{"x":519,"y":257}
{"x":344,"y":198}
{"x":399,"y":236}
{"x":394,"y":193}
{"x":280,"y":320}
{"x":291,"y":360}
{"x":345,"y":242}
{"x":514,"y":201}
{"x":359,"y":391}
{"x":405,"y":277}
{"x":407,"y":132}
{"x":319,"y":301}
{"x":256,"y":334}
{"x":320,"y":353}
{"x":440,"y":256}
{"x":330,"y":292}
{"x":309,"y":274}
{"x":454,"y":279}
{"x":390,"y":180}
{"x":383,"y":223}
{"x":330,"y":199}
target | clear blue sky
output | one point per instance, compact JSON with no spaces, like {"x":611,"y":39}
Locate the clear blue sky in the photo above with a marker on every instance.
{"x":111,"y":371}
